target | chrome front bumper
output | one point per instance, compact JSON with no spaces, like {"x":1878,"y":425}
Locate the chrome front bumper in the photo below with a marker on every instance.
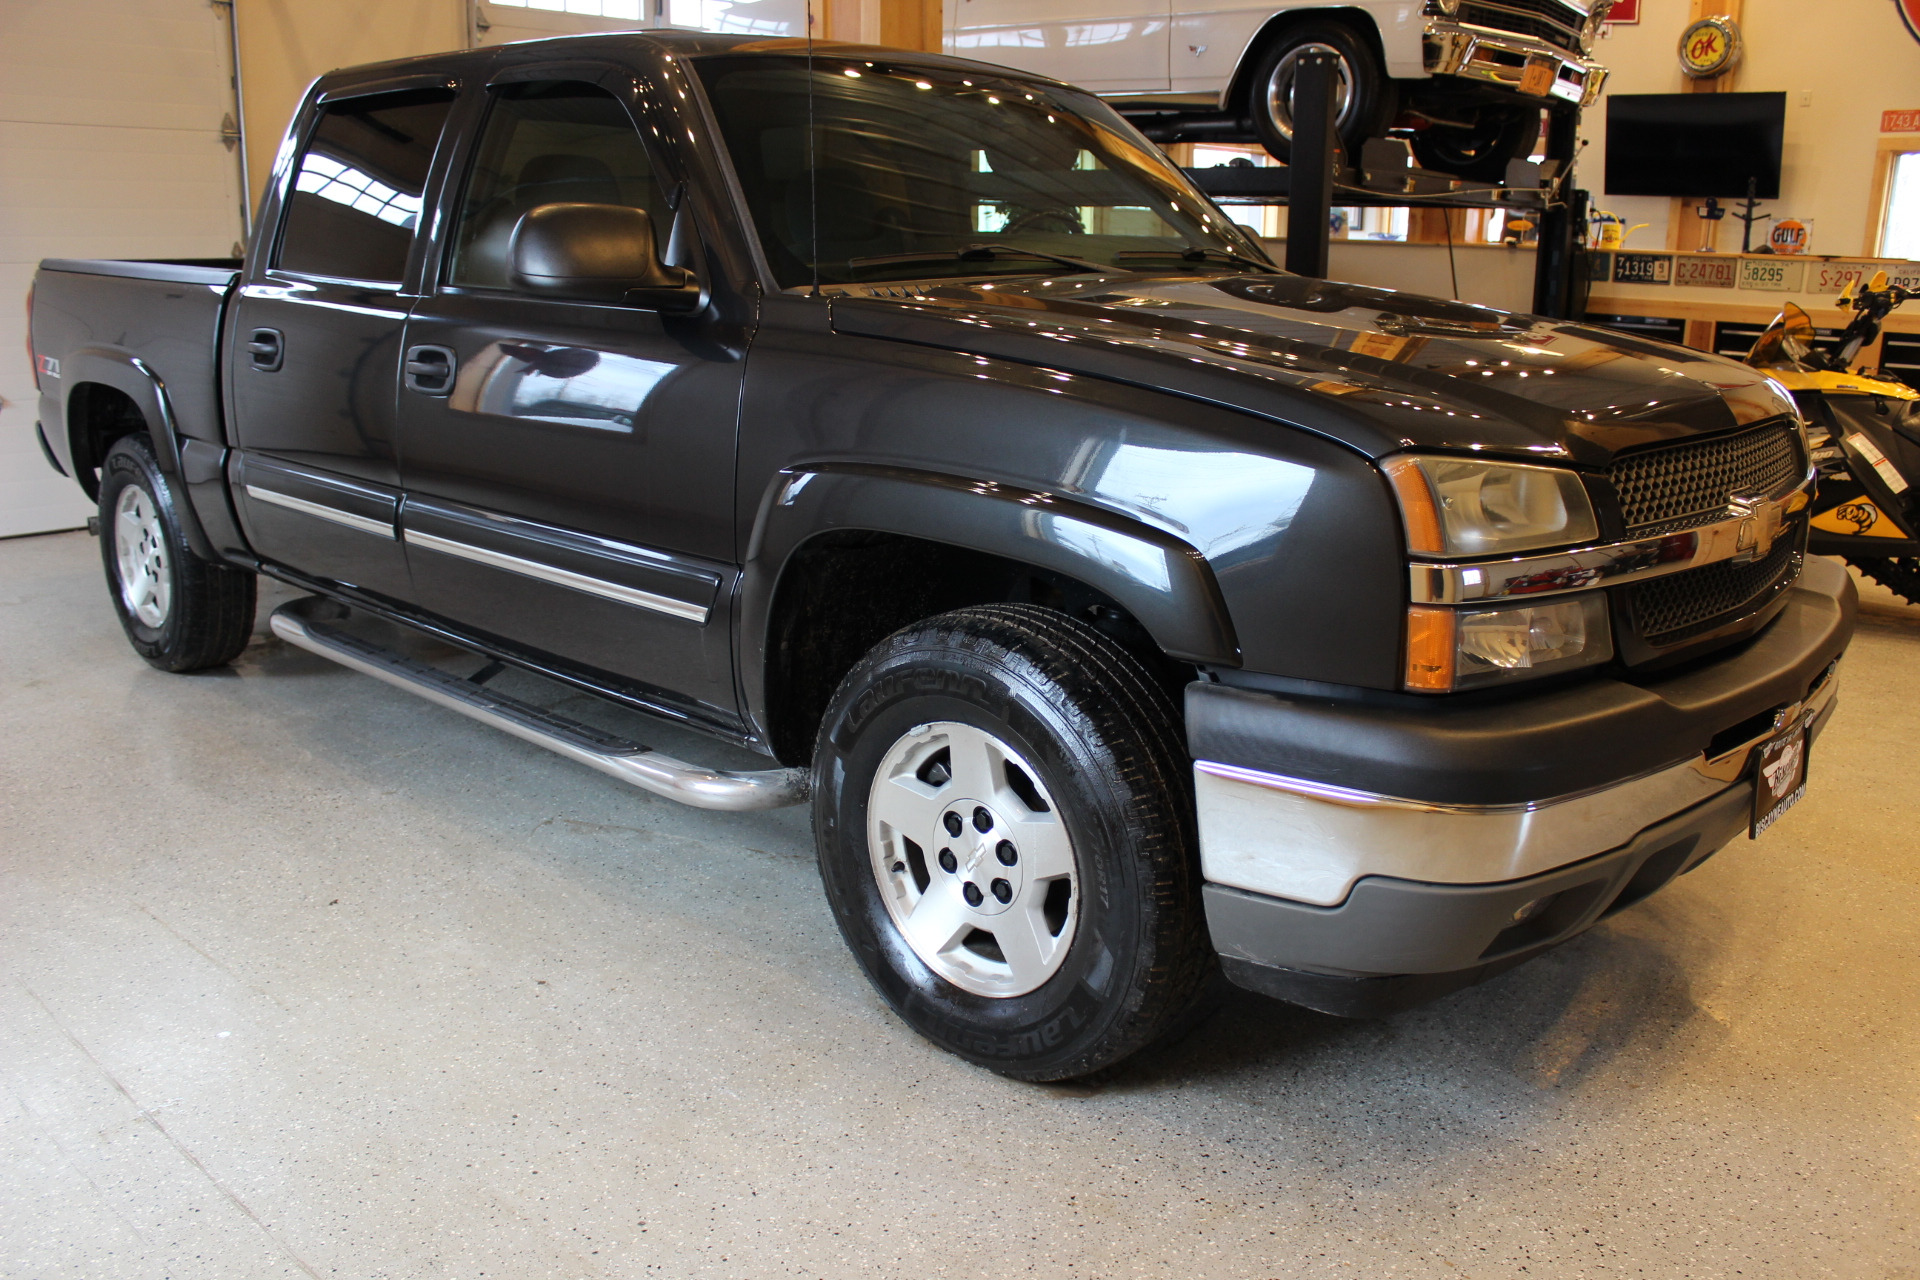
{"x":1311,"y":843}
{"x":1501,"y":58}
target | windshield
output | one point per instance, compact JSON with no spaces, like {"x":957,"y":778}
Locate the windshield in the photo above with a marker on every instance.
{"x":1787,"y":342}
{"x":917,"y":171}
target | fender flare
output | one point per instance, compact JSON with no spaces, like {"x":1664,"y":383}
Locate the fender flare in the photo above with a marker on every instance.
{"x":140,"y":383}
{"x":1163,"y":582}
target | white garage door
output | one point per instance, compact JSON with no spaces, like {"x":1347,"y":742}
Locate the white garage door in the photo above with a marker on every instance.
{"x":110,"y":147}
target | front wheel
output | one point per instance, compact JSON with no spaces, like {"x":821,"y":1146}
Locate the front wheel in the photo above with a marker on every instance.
{"x":180,"y":612}
{"x":1004,"y":826}
{"x":1362,"y":98}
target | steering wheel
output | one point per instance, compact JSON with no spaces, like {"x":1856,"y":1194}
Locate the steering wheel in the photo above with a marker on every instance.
{"x":1059,"y":221}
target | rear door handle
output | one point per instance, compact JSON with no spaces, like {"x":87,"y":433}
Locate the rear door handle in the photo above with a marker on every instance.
{"x":429,"y":370}
{"x":266,"y":349}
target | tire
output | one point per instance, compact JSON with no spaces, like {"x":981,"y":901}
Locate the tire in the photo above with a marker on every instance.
{"x":1361,"y":108}
{"x":1064,"y":929}
{"x":1900,"y":575}
{"x":1480,"y":154}
{"x":180,"y":612}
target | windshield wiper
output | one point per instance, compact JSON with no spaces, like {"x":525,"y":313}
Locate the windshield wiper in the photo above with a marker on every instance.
{"x":1197,"y":254}
{"x":983,"y":253}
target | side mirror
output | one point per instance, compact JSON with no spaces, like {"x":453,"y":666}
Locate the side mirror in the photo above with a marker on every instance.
{"x":599,"y":253}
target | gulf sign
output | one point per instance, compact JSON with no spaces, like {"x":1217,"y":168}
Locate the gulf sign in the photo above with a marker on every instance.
{"x":1910,"y":14}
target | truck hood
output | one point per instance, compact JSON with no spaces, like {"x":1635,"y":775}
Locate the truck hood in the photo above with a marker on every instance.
{"x":1376,"y":369}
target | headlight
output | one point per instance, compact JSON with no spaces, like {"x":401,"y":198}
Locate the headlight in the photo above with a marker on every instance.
{"x":1451,"y":649}
{"x":1465,"y":507}
{"x":1445,"y":7}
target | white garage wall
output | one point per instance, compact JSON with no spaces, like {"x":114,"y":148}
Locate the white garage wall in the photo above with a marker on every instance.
{"x":110,"y":147}
{"x":1841,"y":62}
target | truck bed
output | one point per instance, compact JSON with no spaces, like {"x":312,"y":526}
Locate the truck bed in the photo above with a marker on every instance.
{"x":100,"y":320}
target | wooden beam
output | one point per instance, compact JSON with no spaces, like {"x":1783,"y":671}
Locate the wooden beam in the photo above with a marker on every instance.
{"x":895,"y":24}
{"x":1686,"y":230}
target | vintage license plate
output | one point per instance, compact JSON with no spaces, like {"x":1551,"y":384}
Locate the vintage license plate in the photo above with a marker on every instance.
{"x":1538,"y":78}
{"x":1705,"y":272}
{"x":1643,"y":268}
{"x":1776,"y":276}
{"x":1780,"y":776}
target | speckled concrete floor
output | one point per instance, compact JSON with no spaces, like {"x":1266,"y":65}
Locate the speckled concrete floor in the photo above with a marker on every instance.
{"x":299,"y":976}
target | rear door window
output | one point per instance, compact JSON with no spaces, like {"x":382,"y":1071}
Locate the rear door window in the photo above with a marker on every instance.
{"x":356,"y":198}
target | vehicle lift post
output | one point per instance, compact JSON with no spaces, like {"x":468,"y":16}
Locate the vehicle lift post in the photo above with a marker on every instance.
{"x":1316,"y":153}
{"x":1316,"y":167}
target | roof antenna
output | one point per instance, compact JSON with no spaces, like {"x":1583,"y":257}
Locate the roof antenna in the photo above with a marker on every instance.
{"x":813,"y":168}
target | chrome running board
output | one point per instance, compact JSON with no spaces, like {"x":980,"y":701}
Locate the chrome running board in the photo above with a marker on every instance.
{"x":631,"y":762}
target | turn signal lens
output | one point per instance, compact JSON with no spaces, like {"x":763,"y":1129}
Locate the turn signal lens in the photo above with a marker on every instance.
{"x":1465,"y":507}
{"x":1449,"y":649}
{"x":1431,"y":649}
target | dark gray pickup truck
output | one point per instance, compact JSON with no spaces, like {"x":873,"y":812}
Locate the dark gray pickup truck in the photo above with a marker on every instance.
{"x":1131,"y":611}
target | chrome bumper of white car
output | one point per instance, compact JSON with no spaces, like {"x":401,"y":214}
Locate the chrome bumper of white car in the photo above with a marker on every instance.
{"x":1502,"y":58}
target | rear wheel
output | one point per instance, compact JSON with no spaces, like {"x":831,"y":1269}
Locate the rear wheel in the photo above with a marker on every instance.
{"x":1361,"y":100}
{"x":180,"y":612}
{"x":1003,"y":819}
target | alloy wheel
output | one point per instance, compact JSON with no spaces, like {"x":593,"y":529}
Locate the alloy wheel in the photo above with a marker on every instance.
{"x":140,"y":546}
{"x":973,"y":859}
{"x":1280,"y":85}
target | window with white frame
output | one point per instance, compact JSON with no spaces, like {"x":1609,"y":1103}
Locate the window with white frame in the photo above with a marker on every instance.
{"x":1900,"y":233}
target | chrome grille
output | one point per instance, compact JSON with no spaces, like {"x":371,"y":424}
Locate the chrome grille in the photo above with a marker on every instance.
{"x":1679,"y":486}
{"x":1671,"y":609}
{"x":1547,"y":20}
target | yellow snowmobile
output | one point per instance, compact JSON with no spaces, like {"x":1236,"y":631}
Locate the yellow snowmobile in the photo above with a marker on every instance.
{"x":1864,"y":429}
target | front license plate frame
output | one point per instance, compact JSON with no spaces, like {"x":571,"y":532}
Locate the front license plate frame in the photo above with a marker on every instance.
{"x":1779,"y":776}
{"x":1539,"y":76}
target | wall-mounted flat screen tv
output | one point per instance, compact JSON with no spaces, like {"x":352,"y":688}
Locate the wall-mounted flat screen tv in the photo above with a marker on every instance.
{"x":1695,"y":144}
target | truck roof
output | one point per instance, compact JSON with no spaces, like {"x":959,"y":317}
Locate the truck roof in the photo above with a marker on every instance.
{"x":644,"y":47}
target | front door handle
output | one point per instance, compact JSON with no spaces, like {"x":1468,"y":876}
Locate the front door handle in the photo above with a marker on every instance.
{"x":429,"y":370}
{"x":266,"y":349}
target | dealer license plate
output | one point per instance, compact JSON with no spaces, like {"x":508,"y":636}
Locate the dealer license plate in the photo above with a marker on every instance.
{"x":1780,"y":776}
{"x":1538,"y":78}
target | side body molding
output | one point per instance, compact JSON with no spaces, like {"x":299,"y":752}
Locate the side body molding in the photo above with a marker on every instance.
{"x":1160,"y":580}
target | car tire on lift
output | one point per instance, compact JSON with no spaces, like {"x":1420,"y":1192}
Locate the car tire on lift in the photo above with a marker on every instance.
{"x":1004,"y":816}
{"x":1362,"y":105}
{"x":180,"y":612}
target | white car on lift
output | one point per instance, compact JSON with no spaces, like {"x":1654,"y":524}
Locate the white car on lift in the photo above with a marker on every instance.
{"x":1464,"y":81}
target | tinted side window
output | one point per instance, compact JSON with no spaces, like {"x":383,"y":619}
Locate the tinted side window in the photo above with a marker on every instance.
{"x":548,"y":142}
{"x":356,"y":197}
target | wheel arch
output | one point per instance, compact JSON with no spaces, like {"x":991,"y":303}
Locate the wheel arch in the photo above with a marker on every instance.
{"x":108,"y":394}
{"x":1364,"y":23}
{"x":841,"y":557}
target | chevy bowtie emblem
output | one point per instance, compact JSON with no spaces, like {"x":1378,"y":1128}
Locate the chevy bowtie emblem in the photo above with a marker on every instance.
{"x":1760,"y":523}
